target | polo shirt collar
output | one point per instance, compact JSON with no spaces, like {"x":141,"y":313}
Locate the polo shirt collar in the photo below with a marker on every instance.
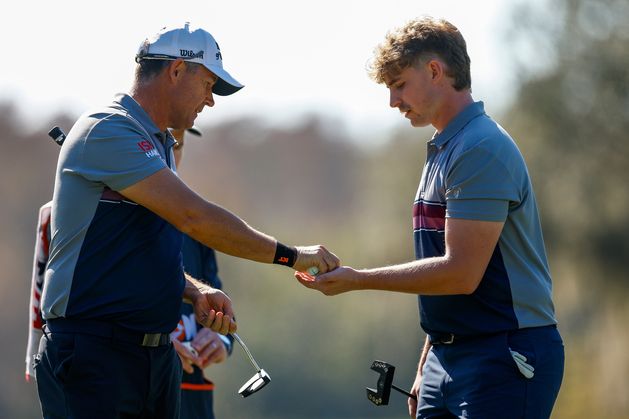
{"x":470,"y":112}
{"x":140,"y":115}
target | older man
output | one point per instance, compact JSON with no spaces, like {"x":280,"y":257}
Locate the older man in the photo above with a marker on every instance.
{"x":114,"y":280}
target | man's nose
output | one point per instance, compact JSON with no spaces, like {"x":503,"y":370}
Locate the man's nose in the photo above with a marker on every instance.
{"x":209,"y":100}
{"x":394,"y":99}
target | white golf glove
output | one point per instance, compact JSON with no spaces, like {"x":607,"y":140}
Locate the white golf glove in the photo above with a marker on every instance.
{"x":526,"y":369}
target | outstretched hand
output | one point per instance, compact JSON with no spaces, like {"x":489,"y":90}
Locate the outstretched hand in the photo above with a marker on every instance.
{"x":315,"y":257}
{"x":335,"y":282}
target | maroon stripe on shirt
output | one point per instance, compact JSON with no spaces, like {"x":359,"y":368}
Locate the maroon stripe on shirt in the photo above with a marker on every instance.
{"x":430,"y":216}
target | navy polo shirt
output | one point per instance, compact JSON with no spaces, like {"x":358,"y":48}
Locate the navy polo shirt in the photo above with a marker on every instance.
{"x":475,"y":171}
{"x":199,"y":262}
{"x":110,"y":258}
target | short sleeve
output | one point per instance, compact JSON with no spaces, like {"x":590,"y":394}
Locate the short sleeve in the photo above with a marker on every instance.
{"x":118,"y":154}
{"x":479,"y":186}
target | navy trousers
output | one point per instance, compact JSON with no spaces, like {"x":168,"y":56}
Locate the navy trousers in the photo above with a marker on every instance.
{"x":479,"y":379}
{"x":196,"y":404}
{"x":93,"y":377}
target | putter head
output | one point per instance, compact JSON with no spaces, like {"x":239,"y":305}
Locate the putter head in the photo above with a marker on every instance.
{"x":194,"y":131}
{"x":380,"y":396}
{"x":255,"y":383}
{"x":57,"y":135}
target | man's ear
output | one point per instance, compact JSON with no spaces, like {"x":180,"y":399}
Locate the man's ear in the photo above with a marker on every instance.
{"x":437,"y":70}
{"x":176,"y":69}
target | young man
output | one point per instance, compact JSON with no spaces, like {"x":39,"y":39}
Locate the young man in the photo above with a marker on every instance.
{"x":492,"y":347}
{"x":114,"y":280}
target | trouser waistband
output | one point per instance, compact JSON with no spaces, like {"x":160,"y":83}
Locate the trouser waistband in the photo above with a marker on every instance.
{"x":107,"y":330}
{"x":451,"y":338}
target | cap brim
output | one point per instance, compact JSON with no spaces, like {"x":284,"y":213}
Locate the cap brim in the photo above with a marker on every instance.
{"x":194,"y":130}
{"x":226,"y":84}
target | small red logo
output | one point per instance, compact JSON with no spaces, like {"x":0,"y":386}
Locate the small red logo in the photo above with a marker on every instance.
{"x":283,"y":259}
{"x":145,"y":146}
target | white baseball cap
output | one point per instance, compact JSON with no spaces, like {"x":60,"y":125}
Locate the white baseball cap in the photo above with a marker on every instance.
{"x":196,"y":46}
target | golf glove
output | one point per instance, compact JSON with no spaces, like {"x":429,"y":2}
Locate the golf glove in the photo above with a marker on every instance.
{"x":525,"y":368}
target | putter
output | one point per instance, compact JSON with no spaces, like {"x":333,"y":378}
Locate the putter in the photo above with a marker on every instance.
{"x":380,"y":397}
{"x":259,"y":380}
{"x":57,"y":135}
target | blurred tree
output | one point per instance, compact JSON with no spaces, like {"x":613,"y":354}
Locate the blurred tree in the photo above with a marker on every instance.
{"x":574,"y":119}
{"x":571,"y":118}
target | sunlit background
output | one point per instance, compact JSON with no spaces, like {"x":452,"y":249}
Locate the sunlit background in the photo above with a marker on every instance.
{"x":310,"y":152}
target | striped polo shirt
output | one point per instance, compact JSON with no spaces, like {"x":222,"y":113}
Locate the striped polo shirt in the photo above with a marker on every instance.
{"x":475,"y":171}
{"x":110,"y":258}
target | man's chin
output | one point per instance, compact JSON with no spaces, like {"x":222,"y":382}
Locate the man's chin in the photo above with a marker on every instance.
{"x":415,"y":120}
{"x":418,"y":123}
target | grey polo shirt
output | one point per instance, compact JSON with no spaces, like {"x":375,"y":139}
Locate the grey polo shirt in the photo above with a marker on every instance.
{"x":111,"y":259}
{"x":475,"y":171}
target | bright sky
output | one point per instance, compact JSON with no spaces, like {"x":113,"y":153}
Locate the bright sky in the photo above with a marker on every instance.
{"x":293,"y":56}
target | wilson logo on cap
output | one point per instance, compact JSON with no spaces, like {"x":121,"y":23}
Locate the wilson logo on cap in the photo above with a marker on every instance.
{"x":191,"y":54}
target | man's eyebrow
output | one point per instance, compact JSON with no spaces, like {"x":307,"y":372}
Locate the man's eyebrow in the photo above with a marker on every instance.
{"x":392,"y":81}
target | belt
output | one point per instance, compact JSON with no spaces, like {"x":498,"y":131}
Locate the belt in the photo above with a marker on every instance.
{"x":451,"y":338}
{"x":107,"y":330}
{"x":442,"y":339}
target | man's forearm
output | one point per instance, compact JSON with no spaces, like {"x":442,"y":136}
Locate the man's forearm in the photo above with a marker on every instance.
{"x":166,"y":195}
{"x":222,"y":230}
{"x":424,"y":355}
{"x":430,"y":276}
{"x":192,"y":289}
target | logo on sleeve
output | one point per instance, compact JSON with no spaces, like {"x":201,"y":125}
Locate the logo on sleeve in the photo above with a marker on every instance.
{"x":148,"y":148}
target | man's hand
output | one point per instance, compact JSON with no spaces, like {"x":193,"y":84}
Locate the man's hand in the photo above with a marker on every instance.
{"x":186,"y":356}
{"x":210,"y":347}
{"x":315,"y":256}
{"x":412,"y":403}
{"x":212,"y":308}
{"x":335,"y":282}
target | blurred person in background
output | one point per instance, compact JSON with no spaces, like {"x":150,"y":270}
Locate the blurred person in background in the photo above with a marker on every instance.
{"x":198,"y":347}
{"x":492,"y":348}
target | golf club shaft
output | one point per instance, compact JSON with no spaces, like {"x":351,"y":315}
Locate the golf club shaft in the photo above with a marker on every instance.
{"x":403,"y":391}
{"x":253,"y":361}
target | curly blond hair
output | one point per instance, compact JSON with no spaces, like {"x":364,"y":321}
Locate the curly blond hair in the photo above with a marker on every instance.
{"x":419,"y":39}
